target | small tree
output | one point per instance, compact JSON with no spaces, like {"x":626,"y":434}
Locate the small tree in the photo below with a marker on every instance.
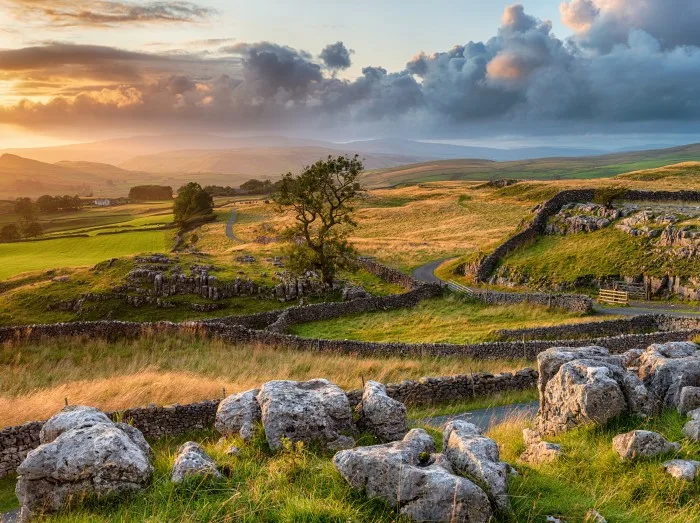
{"x":9,"y":233}
{"x":32,"y":229}
{"x":321,"y":199}
{"x":192,"y":202}
{"x":607,"y":195}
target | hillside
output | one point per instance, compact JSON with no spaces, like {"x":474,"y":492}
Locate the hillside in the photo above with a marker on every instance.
{"x":679,"y":170}
{"x":265,"y":162}
{"x":539,"y":169}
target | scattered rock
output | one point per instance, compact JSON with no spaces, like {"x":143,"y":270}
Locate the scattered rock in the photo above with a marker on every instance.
{"x":553,"y":519}
{"x":381,"y":415}
{"x":82,"y":456}
{"x":593,"y":516}
{"x":682,"y":469}
{"x":471,"y":453}
{"x":191,"y":460}
{"x":537,"y":451}
{"x":689,"y":399}
{"x":311,"y":411}
{"x":642,"y":444}
{"x":238,"y":414}
{"x":233,"y":451}
{"x":667,"y":368}
{"x":406,"y":475}
{"x":691,"y":430}
{"x":354,"y":292}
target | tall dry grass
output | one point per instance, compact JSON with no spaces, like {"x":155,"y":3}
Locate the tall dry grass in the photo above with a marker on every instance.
{"x":36,"y":377}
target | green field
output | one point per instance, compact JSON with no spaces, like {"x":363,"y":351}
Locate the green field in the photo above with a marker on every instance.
{"x":439,"y":320}
{"x":23,"y":257}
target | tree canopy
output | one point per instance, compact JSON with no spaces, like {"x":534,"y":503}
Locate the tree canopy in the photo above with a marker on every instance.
{"x":151,"y":193}
{"x":321,"y":199}
{"x":192,"y":202}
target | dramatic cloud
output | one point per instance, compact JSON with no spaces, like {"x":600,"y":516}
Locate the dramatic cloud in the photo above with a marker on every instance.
{"x":523,"y":79}
{"x":336,"y":56}
{"x":68,"y":13}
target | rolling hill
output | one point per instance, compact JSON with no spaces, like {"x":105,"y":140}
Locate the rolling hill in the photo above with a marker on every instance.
{"x":538,"y":169}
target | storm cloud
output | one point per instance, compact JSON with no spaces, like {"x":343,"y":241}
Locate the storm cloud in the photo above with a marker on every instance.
{"x":624,"y":65}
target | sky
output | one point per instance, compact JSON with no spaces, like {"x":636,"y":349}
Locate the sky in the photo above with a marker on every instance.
{"x":469,"y":71}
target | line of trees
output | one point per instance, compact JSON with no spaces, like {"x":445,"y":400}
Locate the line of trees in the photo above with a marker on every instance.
{"x":50,"y":204}
{"x":151,"y":193}
{"x":252,"y":186}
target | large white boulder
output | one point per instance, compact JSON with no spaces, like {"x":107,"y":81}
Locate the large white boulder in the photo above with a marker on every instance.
{"x":381,"y":415}
{"x":471,"y":453}
{"x":642,"y":444}
{"x":581,"y":386}
{"x":406,"y":475}
{"x":191,"y":460}
{"x":315,"y":411}
{"x":99,"y":459}
{"x":238,"y":414}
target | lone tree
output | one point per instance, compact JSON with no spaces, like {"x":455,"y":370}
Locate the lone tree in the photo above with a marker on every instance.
{"x":321,"y":199}
{"x":192,"y":203}
{"x":9,"y":233}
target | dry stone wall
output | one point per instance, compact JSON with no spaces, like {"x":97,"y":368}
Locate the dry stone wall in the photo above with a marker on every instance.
{"x":571,"y":302}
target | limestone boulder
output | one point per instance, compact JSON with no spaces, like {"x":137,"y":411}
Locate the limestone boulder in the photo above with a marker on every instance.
{"x":71,"y":417}
{"x":471,"y":453}
{"x":315,"y":411}
{"x":101,"y":459}
{"x":642,"y":444}
{"x":407,"y":475}
{"x":683,"y":469}
{"x":588,"y":385}
{"x":238,"y":414}
{"x":689,"y":399}
{"x":381,"y":415}
{"x":191,"y":460}
{"x":667,"y":368}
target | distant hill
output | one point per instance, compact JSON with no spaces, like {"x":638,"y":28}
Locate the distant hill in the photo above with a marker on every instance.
{"x":679,"y":170}
{"x":537,"y":169}
{"x":261,"y":162}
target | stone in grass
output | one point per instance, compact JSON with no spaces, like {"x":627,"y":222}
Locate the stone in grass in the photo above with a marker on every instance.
{"x":101,"y":459}
{"x":593,"y":516}
{"x":315,"y":411}
{"x":191,"y":460}
{"x":691,"y":430}
{"x":689,"y":400}
{"x":642,"y":444}
{"x":537,"y":451}
{"x":682,"y":469}
{"x":238,"y":414}
{"x":471,"y":453}
{"x":381,"y":415}
{"x":406,"y":474}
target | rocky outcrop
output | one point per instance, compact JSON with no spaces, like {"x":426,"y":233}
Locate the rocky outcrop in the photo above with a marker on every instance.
{"x":584,"y":217}
{"x":408,"y":476}
{"x":683,"y":469}
{"x":471,"y":453}
{"x":191,"y":460}
{"x":381,"y":415}
{"x":354,"y":292}
{"x":642,"y":444}
{"x":315,"y":411}
{"x":83,"y":455}
{"x":587,"y":385}
{"x":238,"y":414}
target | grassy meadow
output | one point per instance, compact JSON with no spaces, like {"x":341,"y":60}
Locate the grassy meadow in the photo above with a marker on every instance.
{"x":450,"y":319}
{"x":36,"y":377}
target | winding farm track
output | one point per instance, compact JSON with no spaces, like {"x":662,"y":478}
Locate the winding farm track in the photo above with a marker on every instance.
{"x":487,"y":418}
{"x":229,"y":225}
{"x":426,"y":273}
